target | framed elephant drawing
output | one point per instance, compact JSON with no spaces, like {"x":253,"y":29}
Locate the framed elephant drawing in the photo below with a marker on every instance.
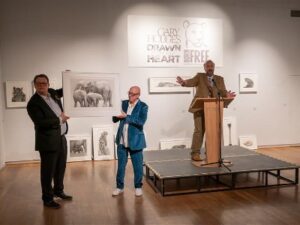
{"x":91,"y":94}
{"x":79,"y":148}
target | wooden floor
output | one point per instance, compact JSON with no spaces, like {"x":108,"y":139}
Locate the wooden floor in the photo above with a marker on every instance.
{"x":91,"y":184}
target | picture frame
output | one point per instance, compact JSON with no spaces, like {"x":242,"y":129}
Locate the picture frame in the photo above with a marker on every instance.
{"x":91,"y":94}
{"x":79,"y":148}
{"x":248,"y":83}
{"x":103,"y":142}
{"x":18,"y":93}
{"x":229,"y":131}
{"x":167,"y":85}
{"x":248,"y":141}
{"x":178,"y":143}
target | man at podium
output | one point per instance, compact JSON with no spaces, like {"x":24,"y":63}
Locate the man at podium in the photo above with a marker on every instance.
{"x":207,"y":85}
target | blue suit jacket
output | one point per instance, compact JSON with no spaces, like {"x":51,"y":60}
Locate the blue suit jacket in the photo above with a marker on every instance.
{"x":135,"y":121}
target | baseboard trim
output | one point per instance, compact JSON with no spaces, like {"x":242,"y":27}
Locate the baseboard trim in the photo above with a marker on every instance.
{"x":279,"y":146}
{"x":11,"y":163}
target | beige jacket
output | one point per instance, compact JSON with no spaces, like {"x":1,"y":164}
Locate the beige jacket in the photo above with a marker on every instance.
{"x":203,"y":89}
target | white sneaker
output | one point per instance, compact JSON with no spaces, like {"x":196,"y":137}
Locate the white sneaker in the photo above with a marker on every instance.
{"x":138,"y":192}
{"x":117,"y":192}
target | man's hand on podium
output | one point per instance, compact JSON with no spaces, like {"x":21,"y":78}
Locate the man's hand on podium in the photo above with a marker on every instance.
{"x":180,"y":81}
{"x":230,"y":94}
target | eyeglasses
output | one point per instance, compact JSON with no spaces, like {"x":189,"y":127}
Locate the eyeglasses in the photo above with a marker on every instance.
{"x":132,"y":94}
{"x":41,"y":83}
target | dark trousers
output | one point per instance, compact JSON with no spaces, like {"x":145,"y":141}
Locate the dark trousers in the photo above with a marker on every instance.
{"x":53,"y":165}
{"x":199,"y":130}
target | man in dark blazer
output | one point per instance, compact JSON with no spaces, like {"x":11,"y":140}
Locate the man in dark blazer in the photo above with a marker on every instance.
{"x":50,"y":124}
{"x":207,"y":85}
{"x":131,"y":139}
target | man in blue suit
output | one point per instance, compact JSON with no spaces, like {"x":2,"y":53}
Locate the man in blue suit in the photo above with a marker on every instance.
{"x":131,"y":139}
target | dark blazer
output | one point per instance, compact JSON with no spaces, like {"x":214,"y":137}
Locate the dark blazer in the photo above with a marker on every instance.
{"x":136,"y":121}
{"x":46,"y":123}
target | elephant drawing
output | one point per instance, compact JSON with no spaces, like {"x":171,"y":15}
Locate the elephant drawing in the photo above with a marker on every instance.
{"x":93,"y":99}
{"x":79,"y":96}
{"x":92,"y":94}
{"x":102,"y":89}
{"x":78,"y":147}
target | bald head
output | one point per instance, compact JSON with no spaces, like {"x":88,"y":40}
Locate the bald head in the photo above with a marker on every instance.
{"x":135,"y":89}
{"x":134,"y":94}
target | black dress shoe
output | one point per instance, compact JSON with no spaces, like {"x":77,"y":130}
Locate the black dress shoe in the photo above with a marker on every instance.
{"x":63,"y":196}
{"x":52,"y":204}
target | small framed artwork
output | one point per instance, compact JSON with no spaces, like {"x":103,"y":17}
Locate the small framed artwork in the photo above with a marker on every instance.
{"x":248,"y":141}
{"x":179,"y":143}
{"x":103,"y":142}
{"x":79,"y":148}
{"x":18,"y":93}
{"x":248,"y":83}
{"x":91,"y":94}
{"x":167,"y":85}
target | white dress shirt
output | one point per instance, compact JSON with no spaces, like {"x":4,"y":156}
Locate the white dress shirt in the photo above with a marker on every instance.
{"x":57,"y":110}
{"x":124,"y":139}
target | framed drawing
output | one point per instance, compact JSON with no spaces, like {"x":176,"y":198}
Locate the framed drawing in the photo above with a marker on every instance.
{"x":248,"y":141}
{"x":167,"y":85}
{"x":18,"y":93}
{"x":229,"y":131}
{"x":90,"y":94}
{"x":180,"y":143}
{"x":103,"y":142}
{"x":248,"y":83}
{"x":79,"y":148}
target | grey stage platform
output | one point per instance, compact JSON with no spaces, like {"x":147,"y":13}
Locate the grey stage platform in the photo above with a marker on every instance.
{"x":172,"y":171}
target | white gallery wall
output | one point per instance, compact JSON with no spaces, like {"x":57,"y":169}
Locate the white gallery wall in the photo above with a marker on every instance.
{"x":50,"y":36}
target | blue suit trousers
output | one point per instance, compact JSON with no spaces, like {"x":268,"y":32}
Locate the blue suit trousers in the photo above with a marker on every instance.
{"x":137,"y":163}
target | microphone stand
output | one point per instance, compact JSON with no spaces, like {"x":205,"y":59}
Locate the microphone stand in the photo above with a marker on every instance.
{"x":221,"y":161}
{"x":229,"y":129}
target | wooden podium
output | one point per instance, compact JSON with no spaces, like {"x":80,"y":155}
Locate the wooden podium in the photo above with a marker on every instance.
{"x":213,"y":113}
